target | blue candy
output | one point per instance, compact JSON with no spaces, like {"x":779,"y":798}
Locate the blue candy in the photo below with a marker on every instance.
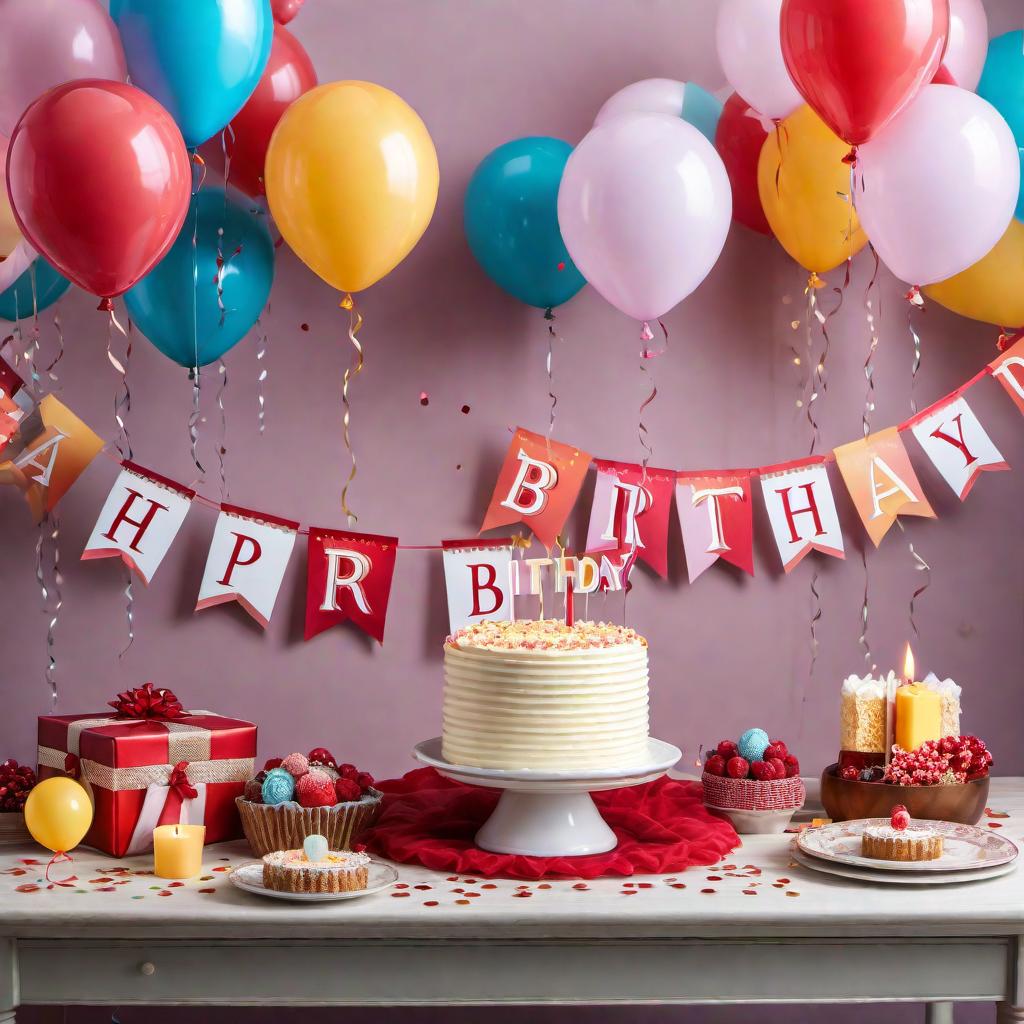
{"x":278,"y":787}
{"x":752,"y":745}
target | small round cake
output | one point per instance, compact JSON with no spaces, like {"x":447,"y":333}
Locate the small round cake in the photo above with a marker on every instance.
{"x":899,"y":840}
{"x":333,"y":871}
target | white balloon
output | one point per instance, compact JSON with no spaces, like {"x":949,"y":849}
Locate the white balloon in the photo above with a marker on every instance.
{"x":644,"y":208}
{"x":750,"y":49}
{"x":967,"y":42}
{"x":938,"y":185}
{"x":651,"y":96}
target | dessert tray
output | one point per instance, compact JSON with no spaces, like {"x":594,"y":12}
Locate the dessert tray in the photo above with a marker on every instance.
{"x":900,"y":877}
{"x":249,"y":878}
{"x":969,"y":853}
{"x":548,"y":813}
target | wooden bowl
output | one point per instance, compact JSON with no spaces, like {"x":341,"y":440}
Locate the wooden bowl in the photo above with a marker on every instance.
{"x":846,"y":800}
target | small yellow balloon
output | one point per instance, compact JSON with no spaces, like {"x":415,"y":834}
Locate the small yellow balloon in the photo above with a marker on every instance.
{"x":351,"y":178}
{"x":992,"y":290}
{"x":58,"y":813}
{"x":800,"y":175}
{"x":10,"y":236}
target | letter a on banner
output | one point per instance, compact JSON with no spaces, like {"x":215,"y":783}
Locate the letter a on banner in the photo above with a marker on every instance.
{"x":139,"y":520}
{"x":537,"y":485}
{"x":477,"y":575}
{"x":348,"y":577}
{"x":717,"y":520}
{"x":801,"y":509}
{"x":881,"y":481}
{"x":956,"y":442}
{"x":248,"y":557}
{"x":1008,"y":369}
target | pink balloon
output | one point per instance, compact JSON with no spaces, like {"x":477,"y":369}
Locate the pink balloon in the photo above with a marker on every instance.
{"x":750,"y":49}
{"x":938,"y":185}
{"x":44,"y":43}
{"x":651,"y":96}
{"x":644,"y":208}
{"x":967,"y":42}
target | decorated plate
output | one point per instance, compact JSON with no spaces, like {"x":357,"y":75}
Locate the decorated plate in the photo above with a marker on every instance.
{"x":900,"y":877}
{"x":249,"y":878}
{"x":964,"y":847}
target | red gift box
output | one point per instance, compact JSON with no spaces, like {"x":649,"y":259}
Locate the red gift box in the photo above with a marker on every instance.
{"x":144,"y":772}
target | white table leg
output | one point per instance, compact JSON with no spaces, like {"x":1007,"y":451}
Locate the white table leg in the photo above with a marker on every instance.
{"x":938,"y":1013}
{"x":1012,"y":1010}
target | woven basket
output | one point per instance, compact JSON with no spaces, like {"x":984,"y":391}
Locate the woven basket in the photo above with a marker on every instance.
{"x":752,"y":795}
{"x":270,"y":827}
{"x":13,"y":830}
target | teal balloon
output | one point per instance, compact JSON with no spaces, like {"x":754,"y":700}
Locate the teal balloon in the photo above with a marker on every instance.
{"x":511,"y":221}
{"x":1002,"y":84}
{"x":702,"y":110}
{"x":176,"y":304}
{"x":16,"y":301}
{"x":201,"y":59}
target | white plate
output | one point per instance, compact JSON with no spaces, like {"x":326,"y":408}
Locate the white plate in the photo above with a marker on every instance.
{"x":249,"y":877}
{"x":964,"y":847}
{"x":900,"y":877}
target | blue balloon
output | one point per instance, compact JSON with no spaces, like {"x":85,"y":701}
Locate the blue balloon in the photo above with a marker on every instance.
{"x":176,"y":304}
{"x":16,"y":301}
{"x":511,"y":220}
{"x":1002,"y":84}
{"x":201,"y":59}
{"x":702,"y":110}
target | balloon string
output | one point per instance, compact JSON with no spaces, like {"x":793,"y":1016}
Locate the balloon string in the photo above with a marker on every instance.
{"x":643,"y":433}
{"x":914,"y":301}
{"x":869,"y":362}
{"x":920,"y":565}
{"x":51,"y":370}
{"x":129,"y":610}
{"x":51,"y":523}
{"x":816,"y":613}
{"x":864,"y":611}
{"x":355,"y":321}
{"x":553,"y":336}
{"x":222,"y":447}
{"x":263,"y":336}
{"x":814,"y":367}
{"x":122,"y":395}
{"x":193,"y":421}
{"x":60,"y":857}
{"x":227,"y":151}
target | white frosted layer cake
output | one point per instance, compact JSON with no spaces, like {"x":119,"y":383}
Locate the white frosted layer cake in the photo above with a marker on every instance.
{"x":545,"y":695}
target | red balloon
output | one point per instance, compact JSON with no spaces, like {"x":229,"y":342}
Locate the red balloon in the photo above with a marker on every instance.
{"x":289,"y":73}
{"x":858,"y":63}
{"x":285,"y":10}
{"x":100,"y":181}
{"x":738,"y":139}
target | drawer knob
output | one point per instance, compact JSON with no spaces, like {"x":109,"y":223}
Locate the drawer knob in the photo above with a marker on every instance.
{"x":148,"y":968}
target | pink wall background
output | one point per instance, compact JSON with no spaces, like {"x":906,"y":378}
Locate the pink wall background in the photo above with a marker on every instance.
{"x":726,"y":654}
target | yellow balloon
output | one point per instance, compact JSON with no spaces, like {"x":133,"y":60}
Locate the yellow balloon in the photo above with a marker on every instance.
{"x":351,"y":179}
{"x":58,"y":813}
{"x":993,"y":289}
{"x":10,"y":236}
{"x":799,"y":173}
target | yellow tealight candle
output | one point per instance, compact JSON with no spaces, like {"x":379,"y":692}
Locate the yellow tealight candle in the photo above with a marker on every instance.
{"x":178,"y":850}
{"x":918,"y":716}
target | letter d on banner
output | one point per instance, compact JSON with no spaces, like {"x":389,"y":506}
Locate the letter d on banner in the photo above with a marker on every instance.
{"x":477,"y":578}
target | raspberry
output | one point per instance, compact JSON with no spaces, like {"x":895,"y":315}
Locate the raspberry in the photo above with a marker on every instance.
{"x":737,"y":767}
{"x":346,"y":790}
{"x":727,"y":749}
{"x":850,"y":773}
{"x":348,"y":771}
{"x":296,"y":765}
{"x":364,"y":780}
{"x":315,"y":789}
{"x":272,"y":763}
{"x":321,"y":755}
{"x":715,"y":765}
{"x":254,"y":788}
{"x":779,"y":765}
{"x":775,"y":750}
{"x":792,"y":766}
{"x":780,"y":745}
{"x":900,"y":818}
{"x":763,"y":771}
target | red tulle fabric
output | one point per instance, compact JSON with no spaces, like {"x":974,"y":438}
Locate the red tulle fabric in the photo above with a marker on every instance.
{"x":662,"y":827}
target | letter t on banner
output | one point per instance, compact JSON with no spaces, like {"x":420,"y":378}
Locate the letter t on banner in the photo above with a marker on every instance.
{"x":477,"y":576}
{"x":538,"y":485}
{"x":348,"y":577}
{"x":139,"y":520}
{"x":248,"y":557}
{"x":717,"y":520}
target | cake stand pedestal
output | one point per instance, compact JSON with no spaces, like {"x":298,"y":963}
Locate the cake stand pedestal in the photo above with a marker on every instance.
{"x":544,"y":813}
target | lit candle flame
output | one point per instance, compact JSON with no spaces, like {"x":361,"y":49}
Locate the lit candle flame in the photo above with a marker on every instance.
{"x":908,"y":665}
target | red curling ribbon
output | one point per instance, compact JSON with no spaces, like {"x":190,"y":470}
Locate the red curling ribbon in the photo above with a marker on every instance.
{"x":59,"y":857}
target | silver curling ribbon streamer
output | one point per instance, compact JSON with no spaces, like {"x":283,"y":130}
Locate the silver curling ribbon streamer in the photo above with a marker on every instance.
{"x":129,"y":610}
{"x":869,"y":362}
{"x":49,"y":529}
{"x":222,"y":444}
{"x":58,"y":326}
{"x":193,"y":420}
{"x":920,"y":565}
{"x":262,"y":343}
{"x":553,"y":336}
{"x":812,"y":314}
{"x":355,"y":321}
{"x":123,"y":395}
{"x":195,"y":414}
{"x":914,"y":301}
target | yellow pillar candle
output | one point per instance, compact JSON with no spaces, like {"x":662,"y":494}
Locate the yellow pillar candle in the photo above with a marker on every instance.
{"x":918,"y":716}
{"x":178,"y":850}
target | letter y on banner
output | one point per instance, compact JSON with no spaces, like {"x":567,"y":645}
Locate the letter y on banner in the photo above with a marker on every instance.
{"x":139,"y":520}
{"x":477,"y":576}
{"x":537,"y":485}
{"x":348,"y":577}
{"x":248,"y":557}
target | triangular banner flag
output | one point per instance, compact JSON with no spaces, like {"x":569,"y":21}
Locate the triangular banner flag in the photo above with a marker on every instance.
{"x":1008,"y":369}
{"x":716,"y":517}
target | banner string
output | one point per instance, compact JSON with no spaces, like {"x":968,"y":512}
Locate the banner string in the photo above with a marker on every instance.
{"x":262,"y":343}
{"x":355,"y":321}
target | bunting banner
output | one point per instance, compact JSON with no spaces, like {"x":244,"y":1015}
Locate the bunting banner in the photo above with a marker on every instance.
{"x":630,"y":510}
{"x":139,"y":520}
{"x":881,"y":481}
{"x":801,"y":510}
{"x":478,"y":579}
{"x":538,"y":485}
{"x":1008,"y":369}
{"x":957,"y":444}
{"x":348,"y":578}
{"x":716,"y":518}
{"x":15,"y":403}
{"x":247,"y":560}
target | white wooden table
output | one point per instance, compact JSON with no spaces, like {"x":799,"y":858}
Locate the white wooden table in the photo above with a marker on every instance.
{"x":786,"y":935}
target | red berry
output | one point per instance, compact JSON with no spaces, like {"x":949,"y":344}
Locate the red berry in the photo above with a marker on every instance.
{"x":763,"y":771}
{"x":273,"y":762}
{"x":364,"y":780}
{"x":296,"y":765}
{"x":727,"y":749}
{"x":792,"y":766}
{"x":315,"y":789}
{"x":737,"y":767}
{"x":321,"y":755}
{"x":850,"y":773}
{"x":715,"y":765}
{"x":776,"y":749}
{"x":779,"y":765}
{"x":346,"y":790}
{"x":348,"y":771}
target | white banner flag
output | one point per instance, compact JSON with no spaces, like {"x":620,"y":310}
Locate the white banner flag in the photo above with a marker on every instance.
{"x":477,"y":575}
{"x":248,"y":557}
{"x":139,"y":520}
{"x":802,"y":511}
{"x":956,"y":442}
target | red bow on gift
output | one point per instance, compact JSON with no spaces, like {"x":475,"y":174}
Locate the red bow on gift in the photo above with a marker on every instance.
{"x":147,"y":702}
{"x":179,"y":782}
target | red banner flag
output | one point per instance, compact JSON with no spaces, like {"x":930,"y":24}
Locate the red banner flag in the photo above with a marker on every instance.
{"x":538,"y":485}
{"x":348,"y":578}
{"x":717,"y":519}
{"x":1008,"y":369}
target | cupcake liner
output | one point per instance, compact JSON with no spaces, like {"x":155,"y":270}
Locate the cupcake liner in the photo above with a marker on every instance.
{"x":753,"y":795}
{"x":270,"y":827}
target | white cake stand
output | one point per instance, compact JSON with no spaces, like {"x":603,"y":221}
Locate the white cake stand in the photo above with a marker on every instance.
{"x":544,"y":813}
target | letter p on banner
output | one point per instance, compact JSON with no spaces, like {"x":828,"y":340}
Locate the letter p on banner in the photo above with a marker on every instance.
{"x":477,"y":578}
